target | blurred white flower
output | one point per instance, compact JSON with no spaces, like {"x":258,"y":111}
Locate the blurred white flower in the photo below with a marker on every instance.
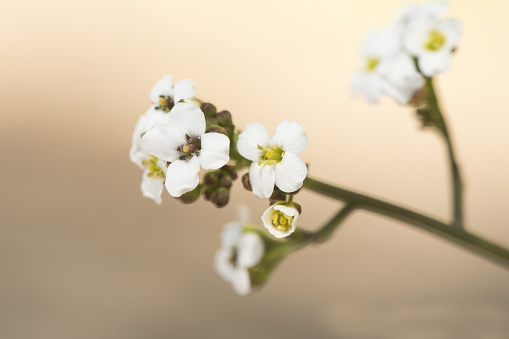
{"x":281,"y":219}
{"x":240,"y":250}
{"x":386,"y":69}
{"x":432,"y":41}
{"x":165,"y":95}
{"x":181,"y":140}
{"x":274,"y":160}
{"x":153,"y":170}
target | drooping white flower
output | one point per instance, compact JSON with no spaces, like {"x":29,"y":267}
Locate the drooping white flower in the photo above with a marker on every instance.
{"x":281,"y":219}
{"x":432,"y":41}
{"x":240,"y":250}
{"x":386,"y":69}
{"x":181,"y":140}
{"x":274,"y":160}
{"x":154,"y":170}
{"x":164,"y":95}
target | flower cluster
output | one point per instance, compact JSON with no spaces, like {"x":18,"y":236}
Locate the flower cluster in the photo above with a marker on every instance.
{"x":416,"y":45}
{"x":176,"y":138}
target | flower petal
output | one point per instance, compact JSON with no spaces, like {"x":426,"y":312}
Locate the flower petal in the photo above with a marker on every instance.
{"x":231,"y":235}
{"x":215,"y":150}
{"x":369,"y":84}
{"x":162,"y":87}
{"x":152,"y":188}
{"x":290,"y":136}
{"x":241,"y":282}
{"x":183,"y":89}
{"x":262,"y":180}
{"x":189,"y":118}
{"x":146,"y":121}
{"x":182,"y":176}
{"x":250,"y":250}
{"x":290,"y":173}
{"x":222,"y":264}
{"x":431,"y":63}
{"x":162,"y":141}
{"x":452,"y":29}
{"x":255,"y":134}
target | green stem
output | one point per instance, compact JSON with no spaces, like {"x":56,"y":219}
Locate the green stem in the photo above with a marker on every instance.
{"x":457,"y":185}
{"x":456,"y":235}
{"x":324,"y":233}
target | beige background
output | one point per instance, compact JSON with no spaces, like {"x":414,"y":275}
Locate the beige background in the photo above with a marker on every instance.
{"x":84,"y":255}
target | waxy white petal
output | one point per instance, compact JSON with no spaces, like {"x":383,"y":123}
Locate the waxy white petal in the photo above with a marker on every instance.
{"x":452,"y":30}
{"x":182,"y":176}
{"x":290,"y":137}
{"x":162,"y":141}
{"x":222,"y":263}
{"x":241,"y":282}
{"x":435,"y":62}
{"x":162,"y":87}
{"x":189,"y":118}
{"x":251,"y":249}
{"x":380,"y":44}
{"x":290,"y":173}
{"x":255,"y":134}
{"x":215,"y":150}
{"x":183,"y":89}
{"x":145,"y":122}
{"x":152,"y":187}
{"x":262,"y":180}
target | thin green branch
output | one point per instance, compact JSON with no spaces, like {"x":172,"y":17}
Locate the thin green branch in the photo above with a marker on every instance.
{"x":456,"y":181}
{"x":456,"y":235}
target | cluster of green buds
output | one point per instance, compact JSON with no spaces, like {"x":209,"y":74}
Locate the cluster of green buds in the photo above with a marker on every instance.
{"x":218,"y":122}
{"x":217,"y":185}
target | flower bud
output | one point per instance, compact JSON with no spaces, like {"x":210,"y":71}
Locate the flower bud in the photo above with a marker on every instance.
{"x":208,"y":109}
{"x":192,"y":196}
{"x":226,"y":180}
{"x":277,"y":196}
{"x":220,"y":197}
{"x":246,"y":182}
{"x":207,"y":193}
{"x":231,"y":171}
{"x":281,"y":219}
{"x":225,"y":118}
{"x":211,"y":179}
{"x":217,"y":129}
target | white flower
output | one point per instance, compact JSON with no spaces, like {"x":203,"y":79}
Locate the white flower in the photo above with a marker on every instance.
{"x":386,"y":69}
{"x":274,"y":160}
{"x":240,"y":250}
{"x":164,"y":95}
{"x":145,"y":122}
{"x":182,"y":140}
{"x":281,"y":219}
{"x":154,"y":170}
{"x":432,"y":41}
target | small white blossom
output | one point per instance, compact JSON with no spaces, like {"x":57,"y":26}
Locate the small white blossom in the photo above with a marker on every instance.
{"x":181,"y":140}
{"x":386,"y":69}
{"x":240,"y":250}
{"x":164,"y":94}
{"x":281,"y":219}
{"x":432,"y":41}
{"x":154,"y":170}
{"x":274,"y":160}
{"x":413,"y":12}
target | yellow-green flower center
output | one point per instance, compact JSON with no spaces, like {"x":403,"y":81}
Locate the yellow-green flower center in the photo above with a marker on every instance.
{"x":435,"y":42}
{"x":371,"y":64}
{"x":281,"y":221}
{"x":271,"y":155}
{"x":154,"y":170}
{"x":165,"y":103}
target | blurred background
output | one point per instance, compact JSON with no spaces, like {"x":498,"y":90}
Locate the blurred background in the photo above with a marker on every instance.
{"x":84,"y":255}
